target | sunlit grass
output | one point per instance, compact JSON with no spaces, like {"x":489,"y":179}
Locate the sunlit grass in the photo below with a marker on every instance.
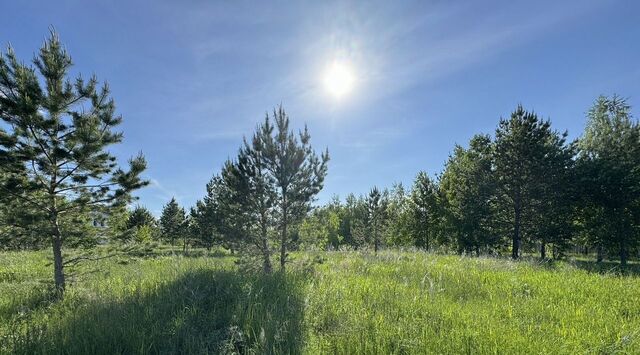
{"x":342,"y":302}
{"x":407,"y":303}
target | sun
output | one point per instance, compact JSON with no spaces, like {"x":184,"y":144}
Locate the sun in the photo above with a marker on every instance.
{"x":339,"y":79}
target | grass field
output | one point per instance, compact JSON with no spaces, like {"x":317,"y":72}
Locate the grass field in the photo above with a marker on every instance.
{"x":342,"y":302}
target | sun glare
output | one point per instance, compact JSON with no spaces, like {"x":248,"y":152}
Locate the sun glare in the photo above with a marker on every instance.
{"x":339,"y":79}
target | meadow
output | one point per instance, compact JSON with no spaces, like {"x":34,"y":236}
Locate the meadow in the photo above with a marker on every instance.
{"x":326,"y":303}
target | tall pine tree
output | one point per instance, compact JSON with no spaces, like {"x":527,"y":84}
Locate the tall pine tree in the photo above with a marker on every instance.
{"x":522,"y":151}
{"x":609,"y":161}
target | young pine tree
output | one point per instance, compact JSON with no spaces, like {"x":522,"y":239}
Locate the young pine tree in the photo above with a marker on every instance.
{"x":297,"y":170}
{"x":173,"y":223}
{"x":377,"y":204}
{"x":59,"y":132}
{"x":260,"y":195}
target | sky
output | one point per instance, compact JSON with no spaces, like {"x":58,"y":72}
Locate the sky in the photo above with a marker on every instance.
{"x":191,"y":78}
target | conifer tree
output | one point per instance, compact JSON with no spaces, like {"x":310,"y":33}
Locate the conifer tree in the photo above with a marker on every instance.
{"x":202,"y":222}
{"x":173,"y":223}
{"x":377,"y":204}
{"x":530,"y":163}
{"x":425,"y":210}
{"x":224,"y":207}
{"x":141,"y":216}
{"x":468,"y":188}
{"x":400,"y":217}
{"x":58,"y":133}
{"x":140,"y":221}
{"x":353,"y":221}
{"x":609,"y":161}
{"x":297,"y":170}
{"x":239,"y":204}
{"x":253,"y":169}
{"x":556,"y":206}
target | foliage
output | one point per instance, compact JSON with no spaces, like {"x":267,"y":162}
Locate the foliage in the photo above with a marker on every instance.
{"x":531,"y":161}
{"x":269,"y":186}
{"x":469,"y":190}
{"x":427,"y":211}
{"x":297,"y":171}
{"x":377,"y":204}
{"x":321,"y":230}
{"x":400,"y":219}
{"x":173,"y":223}
{"x":609,"y":167}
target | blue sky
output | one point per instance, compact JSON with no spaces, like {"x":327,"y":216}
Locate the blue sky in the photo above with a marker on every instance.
{"x":192,"y":77}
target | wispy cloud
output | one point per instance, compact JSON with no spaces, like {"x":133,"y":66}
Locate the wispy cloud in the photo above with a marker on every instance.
{"x":162,"y":192}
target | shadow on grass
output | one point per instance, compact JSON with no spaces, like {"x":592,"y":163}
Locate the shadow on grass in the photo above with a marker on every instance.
{"x":26,"y":301}
{"x":204,"y":311}
{"x":608,"y":267}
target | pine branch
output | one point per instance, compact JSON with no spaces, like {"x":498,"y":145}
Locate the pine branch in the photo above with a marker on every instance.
{"x":29,"y":200}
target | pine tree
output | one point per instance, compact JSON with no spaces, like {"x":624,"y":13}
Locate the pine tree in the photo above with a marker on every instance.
{"x":425,"y":209}
{"x":173,"y":223}
{"x":353,"y":221}
{"x":468,"y":189}
{"x":297,"y":170}
{"x":400,"y":217}
{"x":59,"y":134}
{"x":202,"y":222}
{"x":260,"y":199}
{"x":522,"y":149}
{"x":377,"y":204}
{"x":224,"y":207}
{"x":609,"y":165}
{"x":555,"y":210}
{"x":140,"y":221}
{"x":141,"y":216}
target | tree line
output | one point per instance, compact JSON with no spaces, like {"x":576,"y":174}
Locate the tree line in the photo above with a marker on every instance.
{"x":526,"y":189}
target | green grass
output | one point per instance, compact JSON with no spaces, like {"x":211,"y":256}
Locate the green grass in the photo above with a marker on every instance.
{"x":342,"y":302}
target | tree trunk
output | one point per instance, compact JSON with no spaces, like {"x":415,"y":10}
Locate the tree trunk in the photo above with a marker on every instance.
{"x":515,"y":248}
{"x":283,"y":238}
{"x":58,"y":264}
{"x":266,"y":265}
{"x":543,"y":250}
{"x":375,"y":242}
{"x":477,"y":251}
{"x":623,"y":254}
{"x":426,"y":243}
{"x":266,"y":255}
{"x":599,"y":254}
